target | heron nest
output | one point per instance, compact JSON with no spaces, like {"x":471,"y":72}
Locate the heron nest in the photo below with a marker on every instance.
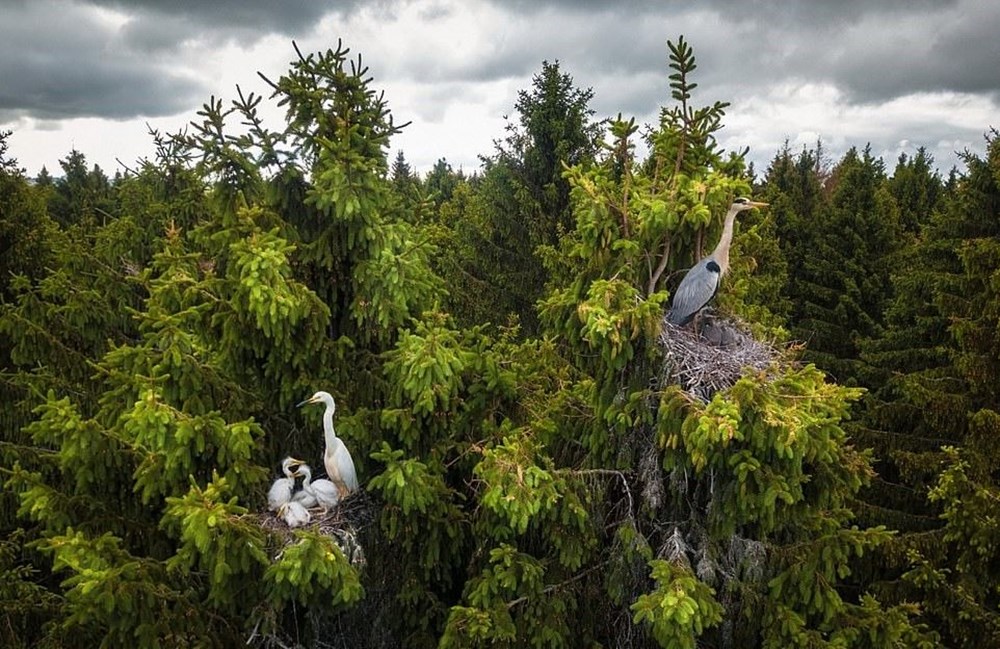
{"x":345,"y":524}
{"x":711,"y":355}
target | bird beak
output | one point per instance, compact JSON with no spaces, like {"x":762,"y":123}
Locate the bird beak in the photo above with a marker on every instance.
{"x":303,"y":403}
{"x":297,"y":461}
{"x":759,"y":204}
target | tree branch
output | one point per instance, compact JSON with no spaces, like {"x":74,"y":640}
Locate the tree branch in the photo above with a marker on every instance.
{"x":662,"y":266}
{"x":548,"y":589}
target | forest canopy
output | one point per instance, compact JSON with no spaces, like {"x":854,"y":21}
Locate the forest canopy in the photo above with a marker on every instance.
{"x":533,"y":469}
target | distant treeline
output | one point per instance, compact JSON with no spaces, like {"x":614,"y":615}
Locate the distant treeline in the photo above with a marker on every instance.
{"x":534,"y":471}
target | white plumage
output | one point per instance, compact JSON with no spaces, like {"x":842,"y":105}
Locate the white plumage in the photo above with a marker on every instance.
{"x":295,"y":514}
{"x":325,"y":493}
{"x":304,"y":498}
{"x":281,"y":489}
{"x":336,"y":458}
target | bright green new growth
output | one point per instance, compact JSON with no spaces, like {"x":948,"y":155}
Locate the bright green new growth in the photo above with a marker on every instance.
{"x":550,"y":486}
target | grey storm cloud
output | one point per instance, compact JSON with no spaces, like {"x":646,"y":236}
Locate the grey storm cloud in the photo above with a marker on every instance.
{"x":59,"y":60}
{"x":63,"y":59}
{"x":122,"y":59}
{"x":268,"y":16}
{"x":873,"y":51}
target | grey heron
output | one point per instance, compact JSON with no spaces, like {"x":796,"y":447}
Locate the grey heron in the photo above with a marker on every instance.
{"x":281,"y":489}
{"x":702,"y":281}
{"x":336,"y":458}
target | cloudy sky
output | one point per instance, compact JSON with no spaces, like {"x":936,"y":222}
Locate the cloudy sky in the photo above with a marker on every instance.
{"x":898,"y":74}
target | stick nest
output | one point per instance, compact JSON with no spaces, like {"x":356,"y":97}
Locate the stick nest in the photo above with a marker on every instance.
{"x":345,"y":524}
{"x":712,"y":355}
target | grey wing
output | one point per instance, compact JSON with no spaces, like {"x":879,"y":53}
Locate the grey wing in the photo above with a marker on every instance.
{"x":696,"y":289}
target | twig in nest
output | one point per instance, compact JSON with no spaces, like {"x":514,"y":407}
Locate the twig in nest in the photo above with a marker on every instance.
{"x":713,"y":358}
{"x":343,"y":524}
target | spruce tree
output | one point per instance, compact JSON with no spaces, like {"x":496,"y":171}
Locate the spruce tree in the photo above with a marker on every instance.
{"x":25,"y":230}
{"x":441,"y":181}
{"x":143,"y":496}
{"x":793,"y":187}
{"x":555,"y":490}
{"x":957,"y":576}
{"x":523,"y":197}
{"x":81,"y":194}
{"x":839,"y":284}
{"x":917,"y":188}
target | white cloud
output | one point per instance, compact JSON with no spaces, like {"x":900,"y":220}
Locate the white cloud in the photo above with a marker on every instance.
{"x":802,"y":113}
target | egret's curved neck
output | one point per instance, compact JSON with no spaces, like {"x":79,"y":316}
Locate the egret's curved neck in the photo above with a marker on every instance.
{"x":721,"y":252}
{"x":328,"y":434}
{"x":307,"y":477}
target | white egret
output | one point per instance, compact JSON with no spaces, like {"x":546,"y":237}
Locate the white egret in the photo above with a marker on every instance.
{"x":305,"y":498}
{"x":336,"y":458}
{"x":295,"y":514}
{"x":281,"y":489}
{"x":324,"y":492}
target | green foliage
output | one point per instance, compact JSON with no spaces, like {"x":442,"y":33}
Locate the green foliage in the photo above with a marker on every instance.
{"x":771,"y":441}
{"x":933,"y":390}
{"x":839,"y":277}
{"x":954,"y":577}
{"x":962,"y":593}
{"x":175,"y":348}
{"x":215,"y":540}
{"x":114,"y":595}
{"x":680,"y":609}
{"x":81,"y":196}
{"x":917,"y":188}
{"x":536,"y":476}
{"x":522,"y":200}
{"x":517,"y":489}
{"x":687,"y":134}
{"x":314,"y":572}
{"x":442,"y":181}
{"x":24,"y":603}
{"x":24,"y":225}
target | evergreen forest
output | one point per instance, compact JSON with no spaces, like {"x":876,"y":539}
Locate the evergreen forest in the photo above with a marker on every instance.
{"x":534,"y":471}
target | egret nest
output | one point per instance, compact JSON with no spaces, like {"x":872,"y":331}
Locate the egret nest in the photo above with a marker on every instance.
{"x":345,"y":524}
{"x":711,"y":355}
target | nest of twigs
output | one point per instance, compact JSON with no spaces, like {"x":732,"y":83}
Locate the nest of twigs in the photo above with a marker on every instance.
{"x":345,"y":524}
{"x":711,"y":354}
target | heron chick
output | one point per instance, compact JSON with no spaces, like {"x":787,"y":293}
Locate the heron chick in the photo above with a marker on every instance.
{"x":324,"y":492}
{"x":295,"y":514}
{"x":281,"y":489}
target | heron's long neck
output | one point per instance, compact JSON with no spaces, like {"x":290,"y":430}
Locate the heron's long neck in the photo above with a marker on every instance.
{"x":721,"y":252}
{"x":328,"y":434}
